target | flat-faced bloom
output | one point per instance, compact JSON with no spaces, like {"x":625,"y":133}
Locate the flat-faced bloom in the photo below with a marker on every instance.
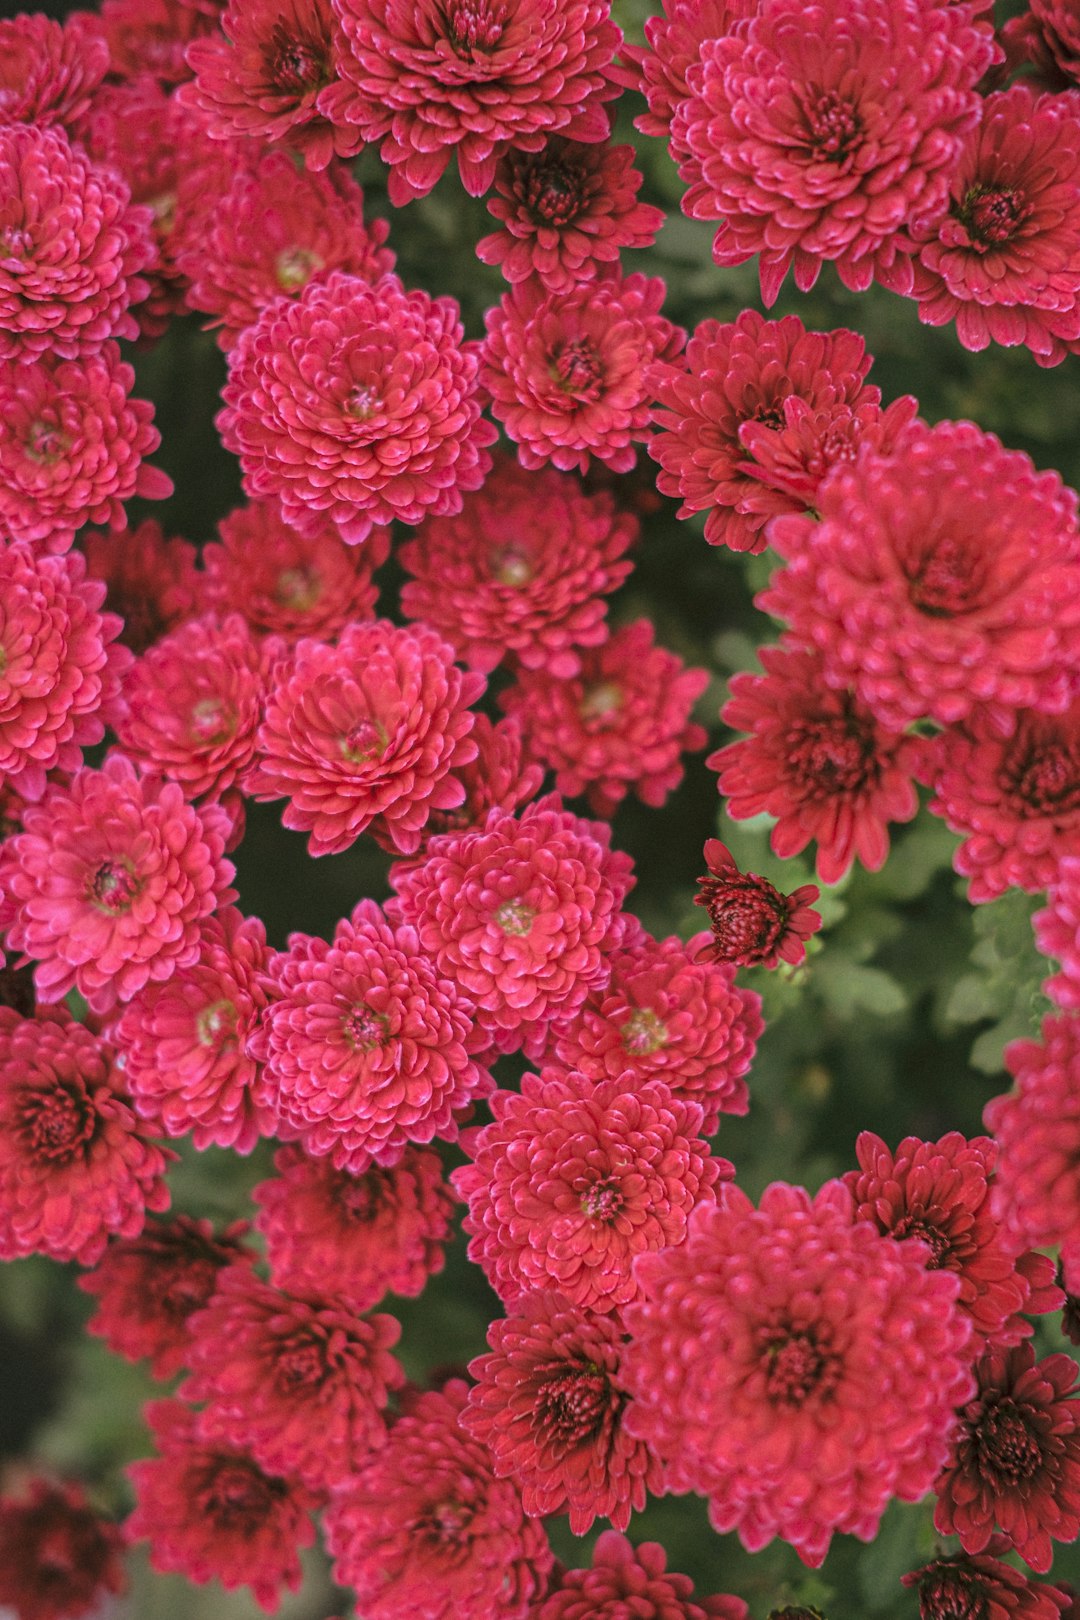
{"x":635,"y":1580}
{"x":752,"y":924}
{"x":49,"y":70}
{"x":1057,"y":932}
{"x":983,"y":1585}
{"x":1037,"y":1128}
{"x":59,"y":1559}
{"x":150,"y":580}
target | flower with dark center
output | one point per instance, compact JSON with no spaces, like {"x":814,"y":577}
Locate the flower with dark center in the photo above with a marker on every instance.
{"x":752,"y":923}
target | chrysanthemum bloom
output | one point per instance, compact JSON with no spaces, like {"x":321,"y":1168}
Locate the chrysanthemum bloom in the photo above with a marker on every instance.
{"x":210,"y":1513}
{"x":523,"y":569}
{"x":58,"y":1558}
{"x":818,"y":761}
{"x":472,"y":78}
{"x":109,"y":884}
{"x":1059,"y":24}
{"x":1037,"y":1126}
{"x":659,"y":69}
{"x":356,"y":404}
{"x":575,"y":1178}
{"x":752,"y":924}
{"x":49,"y":71}
{"x":569,"y":373}
{"x":941,"y":582}
{"x":358,"y":1237}
{"x":499,"y":778}
{"x":366,"y":1044}
{"x":274,"y":231}
{"x":627,"y":1580}
{"x":151,"y":37}
{"x":666,"y":1016}
{"x":1057,"y":933}
{"x":795,"y":1366}
{"x":150,"y":581}
{"x":548,"y":1403}
{"x":75,"y":1167}
{"x":984,"y":1588}
{"x":622,"y":722}
{"x":289,"y":584}
{"x":371,"y":727}
{"x":72,"y":446}
{"x":426,"y":1530}
{"x":184,"y":1042}
{"x":518,"y":913}
{"x":797,"y":148}
{"x":740,"y":372}
{"x":1004,"y":261}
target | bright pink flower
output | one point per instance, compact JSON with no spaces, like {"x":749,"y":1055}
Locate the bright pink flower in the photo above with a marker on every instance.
{"x":795,"y":1366}
{"x":499,"y":778}
{"x":1037,"y":1127}
{"x":150,"y":37}
{"x":74,"y":1165}
{"x":982,"y":1587}
{"x":426,"y":1530}
{"x":1057,"y":932}
{"x":569,"y":374}
{"x":626,"y":1580}
{"x":752,"y":924}
{"x":49,"y":71}
{"x":356,"y":404}
{"x":149,"y":581}
{"x":941,"y":582}
{"x":370,"y":728}
{"x":660,"y":68}
{"x":58,"y":1558}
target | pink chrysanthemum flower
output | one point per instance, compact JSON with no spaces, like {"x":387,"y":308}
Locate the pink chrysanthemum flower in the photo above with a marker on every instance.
{"x":358,"y":1237}
{"x":788,"y":462}
{"x":75,"y":1167}
{"x":147,"y":1287}
{"x":941,"y":582}
{"x":72,"y":446}
{"x":109,"y":883}
{"x":518,"y":913}
{"x":666,"y":1016}
{"x":59,"y":1559}
{"x":472,"y":78}
{"x":575,"y":1178}
{"x":752,"y":924}
{"x":626,"y":1580}
{"x":49,"y":71}
{"x":184,"y":1042}
{"x":1057,"y":932}
{"x":659,"y":69}
{"x":569,"y":374}
{"x":1037,"y":1127}
{"x":820,"y":135}
{"x":426,"y":1530}
{"x":523,"y":569}
{"x":818,"y":761}
{"x":151,"y":37}
{"x":356,"y":404}
{"x":795,"y":1366}
{"x":622,"y":722}
{"x":549,"y":1405}
{"x":983,"y":1586}
{"x":369,"y":728}
{"x":499,"y":778}
{"x":150,"y":581}
{"x":210,"y":1513}
{"x":366,"y":1044}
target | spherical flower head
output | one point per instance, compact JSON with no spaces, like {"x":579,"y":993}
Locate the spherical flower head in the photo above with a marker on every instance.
{"x":108,"y":885}
{"x":982,"y":1586}
{"x":752,"y":924}
{"x":741,"y":372}
{"x":356,"y":403}
{"x":472,"y":78}
{"x":49,"y":70}
{"x":357,"y":1237}
{"x":796,"y":148}
{"x":941,"y":581}
{"x":1037,"y":1128}
{"x":366,"y":1044}
{"x":149,"y":38}
{"x":523,"y":570}
{"x":58,"y":1558}
{"x":74,"y":1166}
{"x":1057,"y":932}
{"x":426,"y":1529}
{"x":210,"y":1513}
{"x":370,"y":728}
{"x":150,"y":581}
{"x":148,"y":1287}
{"x":575,"y":1177}
{"x":622,"y":722}
{"x":569,"y":373}
{"x":72,"y":446}
{"x":795,"y":1366}
{"x":626,"y":1580}
{"x":518,"y":913}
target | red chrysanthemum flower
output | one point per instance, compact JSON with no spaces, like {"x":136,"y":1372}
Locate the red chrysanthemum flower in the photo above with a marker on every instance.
{"x":369,"y":728}
{"x":150,"y":581}
{"x":984,"y":1588}
{"x":622,"y":722}
{"x":72,"y":446}
{"x":523,"y":569}
{"x":58,"y":1558}
{"x":659,"y":69}
{"x":626,"y":1580}
{"x":356,"y":404}
{"x":820,"y":134}
{"x":472,"y":78}
{"x":1037,"y":1127}
{"x":549,"y":1405}
{"x":1058,"y":22}
{"x":74,"y":1165}
{"x":366,"y":1044}
{"x":109,"y":883}
{"x":517,"y":913}
{"x":941,"y":582}
{"x":752,"y":924}
{"x":1057,"y":932}
{"x":795,"y":1366}
{"x":426,"y":1530}
{"x":358,"y":1237}
{"x":818,"y":761}
{"x":151,"y":37}
{"x":49,"y":71}
{"x":210,"y":1513}
{"x":499,"y":778}
{"x":575,"y":1178}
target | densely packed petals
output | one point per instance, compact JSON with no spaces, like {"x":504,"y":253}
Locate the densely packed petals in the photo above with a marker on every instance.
{"x":59,"y":1559}
{"x":49,"y":70}
{"x":983,"y":1585}
{"x":151,"y":37}
{"x":633,"y":1580}
{"x":150,"y":581}
{"x":660,"y":68}
{"x":1059,"y":28}
{"x":1057,"y":932}
{"x":751,"y":923}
